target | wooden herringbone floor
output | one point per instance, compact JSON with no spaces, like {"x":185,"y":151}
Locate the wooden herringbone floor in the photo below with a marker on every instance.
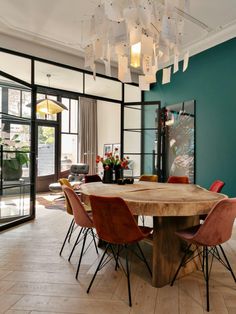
{"x":35,"y":279}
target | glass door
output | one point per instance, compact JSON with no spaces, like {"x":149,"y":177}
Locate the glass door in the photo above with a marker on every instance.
{"x":141,"y":138}
{"x":47,"y":149}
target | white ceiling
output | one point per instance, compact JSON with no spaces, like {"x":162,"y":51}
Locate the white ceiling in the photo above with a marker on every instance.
{"x":58,"y":23}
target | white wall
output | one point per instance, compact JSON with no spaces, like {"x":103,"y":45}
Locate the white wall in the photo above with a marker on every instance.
{"x":108,"y":122}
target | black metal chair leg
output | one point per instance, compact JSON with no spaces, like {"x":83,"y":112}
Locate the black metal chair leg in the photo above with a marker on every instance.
{"x":67,"y":235}
{"x":71,"y":231}
{"x":207,"y":278}
{"x":227,"y":262}
{"x":180,"y":265}
{"x":81,"y":254}
{"x":116,"y":256}
{"x":128,"y":276}
{"x":76,"y":242}
{"x":95,"y":244}
{"x":144,"y":259}
{"x":98,"y":267}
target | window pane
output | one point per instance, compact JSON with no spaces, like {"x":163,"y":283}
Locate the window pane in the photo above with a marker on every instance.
{"x":15,"y":205}
{"x":16,"y":141}
{"x":61,"y":78}
{"x":26,"y":100}
{"x":133,"y":166}
{"x":132,"y":141}
{"x":132,"y":93}
{"x":69,"y":150}
{"x":150,"y":116}
{"x":132,"y":117}
{"x":74,"y":116}
{"x":65,"y":116}
{"x":103,"y":87}
{"x":14,"y":102}
{"x":46,"y":150}
{"x":17,"y":66}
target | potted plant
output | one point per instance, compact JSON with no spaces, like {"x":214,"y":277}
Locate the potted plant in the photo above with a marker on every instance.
{"x":15,"y":155}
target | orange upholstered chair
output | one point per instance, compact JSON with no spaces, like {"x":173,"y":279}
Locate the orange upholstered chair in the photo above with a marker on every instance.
{"x":116,"y":225}
{"x":64,"y":181}
{"x":82,"y":219}
{"x":89,"y":178}
{"x":177,"y":179}
{"x":216,"y":229}
{"x":150,"y":178}
{"x":216,"y":187}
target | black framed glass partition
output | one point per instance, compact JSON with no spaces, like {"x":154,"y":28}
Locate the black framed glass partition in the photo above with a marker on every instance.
{"x":16,"y":153}
{"x":141,"y":138}
{"x":26,"y":77}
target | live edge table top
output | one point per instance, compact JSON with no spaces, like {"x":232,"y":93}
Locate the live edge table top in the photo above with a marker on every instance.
{"x":158,"y":199}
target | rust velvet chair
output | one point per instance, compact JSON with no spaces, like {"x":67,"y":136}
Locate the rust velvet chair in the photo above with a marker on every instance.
{"x":216,"y":187}
{"x":116,"y":226}
{"x":89,"y":178}
{"x":83,"y":219}
{"x":149,"y":178}
{"x":178,"y":179}
{"x":216,"y":229}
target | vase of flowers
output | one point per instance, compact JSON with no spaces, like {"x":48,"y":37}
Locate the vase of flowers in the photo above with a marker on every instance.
{"x":113,"y":166}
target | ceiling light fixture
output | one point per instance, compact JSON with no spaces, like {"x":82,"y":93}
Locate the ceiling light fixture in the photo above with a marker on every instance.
{"x":49,"y":106}
{"x":143,"y":34}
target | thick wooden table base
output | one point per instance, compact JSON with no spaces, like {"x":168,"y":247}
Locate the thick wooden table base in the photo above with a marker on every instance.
{"x":173,"y":207}
{"x":168,"y":248}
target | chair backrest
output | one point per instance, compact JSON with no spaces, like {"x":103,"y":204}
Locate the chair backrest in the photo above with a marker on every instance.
{"x":114,"y":221}
{"x":216,"y":186}
{"x":81,"y":217}
{"x":92,"y":178}
{"x":77,"y":172}
{"x":79,"y":169}
{"x":150,"y":178}
{"x":218,"y":225}
{"x":64,"y":181}
{"x":178,"y":179}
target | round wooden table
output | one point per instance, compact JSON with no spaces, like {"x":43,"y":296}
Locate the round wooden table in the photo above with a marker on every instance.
{"x":172,"y":206}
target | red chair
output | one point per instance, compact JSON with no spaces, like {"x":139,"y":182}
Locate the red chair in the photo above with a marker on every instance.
{"x":89,"y":178}
{"x":216,"y":229}
{"x":176,"y":179}
{"x":83,"y":219}
{"x":116,"y":225}
{"x":215,"y":187}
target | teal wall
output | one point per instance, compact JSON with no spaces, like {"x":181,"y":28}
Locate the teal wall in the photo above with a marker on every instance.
{"x":210,"y":80}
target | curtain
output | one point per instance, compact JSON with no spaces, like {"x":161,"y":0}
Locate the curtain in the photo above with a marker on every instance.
{"x":88,"y":132}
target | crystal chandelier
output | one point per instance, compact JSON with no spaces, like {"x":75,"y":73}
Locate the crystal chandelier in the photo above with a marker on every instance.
{"x":142,"y":34}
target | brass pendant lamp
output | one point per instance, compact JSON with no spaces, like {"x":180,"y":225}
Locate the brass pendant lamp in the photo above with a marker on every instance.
{"x":49,"y":106}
